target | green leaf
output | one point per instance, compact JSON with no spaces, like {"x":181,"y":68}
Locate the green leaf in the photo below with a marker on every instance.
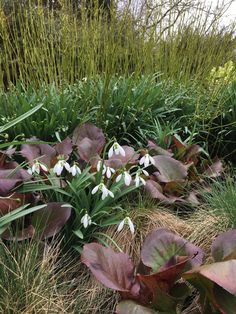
{"x":18,"y":213}
{"x":225,"y":300}
{"x":78,"y":233}
{"x":20,"y":118}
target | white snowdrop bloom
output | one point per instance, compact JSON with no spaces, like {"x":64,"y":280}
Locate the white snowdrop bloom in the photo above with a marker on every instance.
{"x":99,"y":164}
{"x":58,"y":168}
{"x":86,"y":220}
{"x":74,"y":170}
{"x":117,"y":149}
{"x":145,"y":172}
{"x":109,"y":171}
{"x":36,"y":167}
{"x":127,"y":178}
{"x":147,"y":160}
{"x":105,"y":192}
{"x":126,"y":221}
{"x":138,"y":179}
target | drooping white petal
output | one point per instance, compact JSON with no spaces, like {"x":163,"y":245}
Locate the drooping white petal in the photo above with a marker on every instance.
{"x":143,"y":181}
{"x":94,"y":190}
{"x":99,"y":165}
{"x":119,"y":177}
{"x":30,"y":171}
{"x":145,"y":172}
{"x":121,"y":225}
{"x":86,"y":220}
{"x":33,"y":168}
{"x":44,"y":168}
{"x":67,"y":166}
{"x":104,"y":195}
{"x":104,"y":191}
{"x":111,"y":194}
{"x":110,"y":152}
{"x":128,"y":178}
{"x":122,"y":151}
{"x":146,"y":160}
{"x":131,"y":225}
{"x":58,"y":168}
{"x":141,"y":161}
{"x":108,"y":172}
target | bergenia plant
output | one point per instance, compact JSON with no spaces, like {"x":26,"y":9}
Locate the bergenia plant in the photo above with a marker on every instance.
{"x":151,"y":285}
{"x":158,"y":284}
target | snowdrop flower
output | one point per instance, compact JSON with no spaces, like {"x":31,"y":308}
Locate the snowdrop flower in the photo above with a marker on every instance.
{"x":109,"y":172}
{"x":127,"y":178}
{"x":99,"y":164}
{"x":147,"y":160}
{"x":36,"y":167}
{"x":105,"y":192}
{"x":86,"y":220}
{"x":58,"y":168}
{"x":117,"y":149}
{"x":74,"y":170}
{"x":126,"y":221}
{"x":139,"y":179}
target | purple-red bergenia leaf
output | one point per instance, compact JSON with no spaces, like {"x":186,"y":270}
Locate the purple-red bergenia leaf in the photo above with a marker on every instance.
{"x":118,"y":161}
{"x":224,"y":246}
{"x":152,"y":146}
{"x":9,"y":178}
{"x":155,"y":190}
{"x":20,"y":235}
{"x":89,"y":141}
{"x":170,"y":169}
{"x":222,"y":273}
{"x":165,"y":278}
{"x":64,"y":147}
{"x":13,"y":201}
{"x":50,"y":220}
{"x":114,"y":270}
{"x":43,"y":152}
{"x":162,"y":245}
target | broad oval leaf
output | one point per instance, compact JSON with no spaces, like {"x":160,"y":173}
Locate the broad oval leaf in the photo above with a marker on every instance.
{"x":89,"y":140}
{"x":221,"y":273}
{"x":170,"y":170}
{"x":155,"y":191}
{"x":224,"y":246}
{"x":13,"y":201}
{"x":118,"y":161}
{"x":9,"y":178}
{"x":162,"y":245}
{"x":157,"y":149}
{"x":50,"y":220}
{"x":131,"y":307}
{"x":226,"y":302}
{"x":113,"y":270}
{"x":44,"y":152}
{"x":21,"y":235}
{"x":165,"y":279}
{"x":64,"y":147}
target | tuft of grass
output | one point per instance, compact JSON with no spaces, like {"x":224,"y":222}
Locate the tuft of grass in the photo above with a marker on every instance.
{"x":32,"y":279}
{"x":220,"y":201}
